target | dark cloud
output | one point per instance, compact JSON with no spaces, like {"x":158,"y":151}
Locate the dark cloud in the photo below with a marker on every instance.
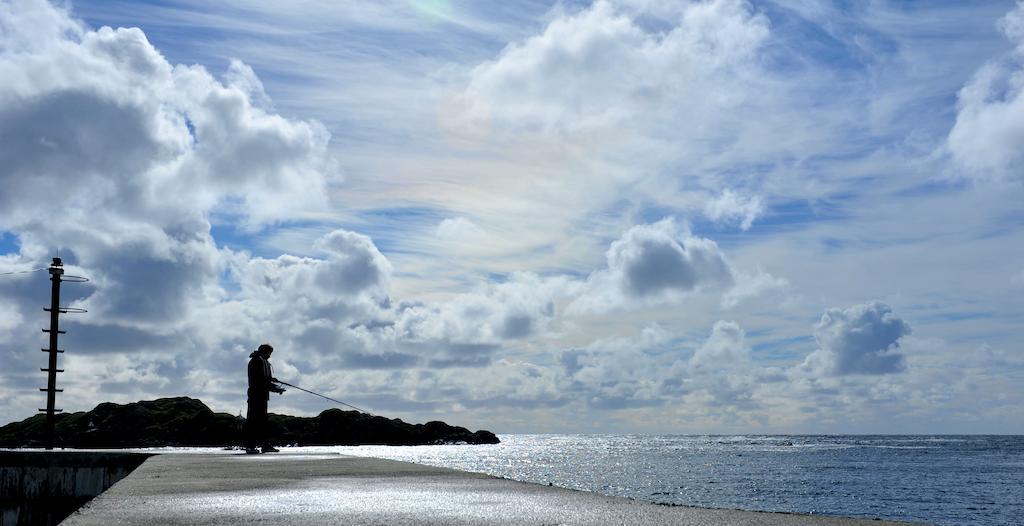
{"x":570,"y":360}
{"x":67,"y":139}
{"x":148,"y":283}
{"x":622,"y":402}
{"x":862,"y":339}
{"x":464,"y":355}
{"x":517,"y":326}
{"x":518,"y":403}
{"x":389,"y":360}
{"x":654,"y":264}
{"x":654,"y":260}
{"x":110,"y":338}
{"x":355,"y":264}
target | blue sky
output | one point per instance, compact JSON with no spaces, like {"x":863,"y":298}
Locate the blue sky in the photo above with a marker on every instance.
{"x":623,"y":215}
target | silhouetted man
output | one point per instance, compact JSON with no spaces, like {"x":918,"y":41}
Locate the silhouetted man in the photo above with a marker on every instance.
{"x":261,"y":383}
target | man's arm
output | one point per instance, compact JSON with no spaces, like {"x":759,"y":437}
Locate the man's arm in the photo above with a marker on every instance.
{"x":274,"y":386}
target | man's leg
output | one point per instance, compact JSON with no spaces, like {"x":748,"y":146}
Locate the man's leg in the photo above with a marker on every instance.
{"x":265,"y":437}
{"x":256,"y":424}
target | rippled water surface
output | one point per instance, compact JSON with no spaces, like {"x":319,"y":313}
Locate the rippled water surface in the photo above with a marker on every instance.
{"x":936,"y":479}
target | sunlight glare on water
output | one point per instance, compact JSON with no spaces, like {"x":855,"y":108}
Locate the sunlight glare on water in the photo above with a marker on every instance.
{"x":936,"y":479}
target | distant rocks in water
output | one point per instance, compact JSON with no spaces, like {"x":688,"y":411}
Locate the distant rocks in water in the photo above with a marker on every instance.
{"x":184,"y":421}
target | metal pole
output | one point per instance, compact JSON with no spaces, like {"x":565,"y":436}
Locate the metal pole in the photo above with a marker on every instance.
{"x":56,"y":271}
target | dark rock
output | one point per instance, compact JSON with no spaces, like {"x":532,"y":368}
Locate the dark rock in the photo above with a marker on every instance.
{"x":186,"y":421}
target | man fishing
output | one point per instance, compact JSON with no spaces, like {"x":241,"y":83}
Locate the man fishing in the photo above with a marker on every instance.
{"x":261,"y":383}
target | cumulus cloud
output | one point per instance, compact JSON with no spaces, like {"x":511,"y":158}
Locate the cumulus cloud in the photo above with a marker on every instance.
{"x":724,"y":348}
{"x":650,"y":369}
{"x":615,"y":373}
{"x":862,"y":339}
{"x":652,"y":264}
{"x":240,"y":75}
{"x":101,"y":114}
{"x":138,"y":154}
{"x":600,"y":67}
{"x":723,"y":374}
{"x":651,"y":261}
{"x":338,"y":309}
{"x":348,"y":284}
{"x":988,"y":137}
{"x":521,"y":307}
{"x":357,"y":266}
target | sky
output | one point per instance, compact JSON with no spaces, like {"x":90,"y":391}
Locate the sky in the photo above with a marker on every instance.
{"x":619,"y":216}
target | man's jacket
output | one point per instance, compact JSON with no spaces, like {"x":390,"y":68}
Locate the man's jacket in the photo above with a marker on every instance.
{"x":261,"y":378}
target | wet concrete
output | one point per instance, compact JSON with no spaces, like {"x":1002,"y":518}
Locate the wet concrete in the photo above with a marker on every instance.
{"x":334,"y":489}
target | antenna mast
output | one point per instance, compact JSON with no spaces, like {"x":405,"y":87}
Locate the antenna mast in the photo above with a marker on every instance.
{"x":56,"y":271}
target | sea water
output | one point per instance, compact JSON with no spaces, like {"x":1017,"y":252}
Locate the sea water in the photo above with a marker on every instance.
{"x":942,"y":480}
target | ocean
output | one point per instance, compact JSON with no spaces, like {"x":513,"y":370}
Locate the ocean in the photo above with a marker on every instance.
{"x":945,"y":480}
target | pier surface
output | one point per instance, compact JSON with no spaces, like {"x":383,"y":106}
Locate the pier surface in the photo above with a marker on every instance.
{"x":285,"y":488}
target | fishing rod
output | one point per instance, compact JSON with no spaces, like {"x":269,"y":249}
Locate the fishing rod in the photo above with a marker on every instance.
{"x":327,"y":398}
{"x":387,"y":421}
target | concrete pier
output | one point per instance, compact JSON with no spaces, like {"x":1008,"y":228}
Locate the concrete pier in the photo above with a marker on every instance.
{"x":288,"y":488}
{"x":43,"y":487}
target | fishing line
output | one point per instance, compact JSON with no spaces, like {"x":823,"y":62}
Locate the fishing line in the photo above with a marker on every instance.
{"x":21,"y":271}
{"x":327,"y":398}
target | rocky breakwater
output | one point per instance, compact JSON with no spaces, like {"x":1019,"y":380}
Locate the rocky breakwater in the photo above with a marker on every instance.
{"x":185,"y":422}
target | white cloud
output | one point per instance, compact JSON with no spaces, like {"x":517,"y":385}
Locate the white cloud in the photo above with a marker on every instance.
{"x":614,"y":108}
{"x":240,"y":75}
{"x":724,"y":349}
{"x":10,"y":318}
{"x":750,"y":285}
{"x":1012,"y":25}
{"x":354,"y":275}
{"x":615,"y":373}
{"x":988,"y":137}
{"x":986,"y":356}
{"x":338,"y":309}
{"x":598,"y":67}
{"x":862,"y":339}
{"x":521,"y":307}
{"x":458,"y":229}
{"x":731,"y":207}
